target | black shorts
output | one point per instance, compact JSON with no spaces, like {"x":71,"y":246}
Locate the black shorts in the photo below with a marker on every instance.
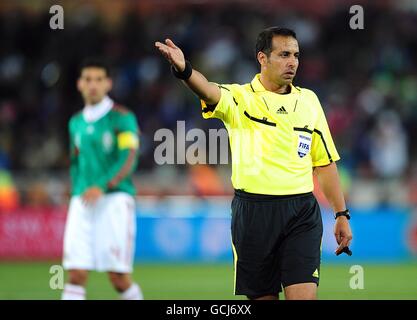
{"x":276,"y":241}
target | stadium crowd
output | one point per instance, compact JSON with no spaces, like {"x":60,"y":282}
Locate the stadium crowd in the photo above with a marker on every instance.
{"x":365,"y":79}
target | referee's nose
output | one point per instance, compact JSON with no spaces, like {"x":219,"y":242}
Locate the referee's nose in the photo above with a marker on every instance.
{"x":292,"y":63}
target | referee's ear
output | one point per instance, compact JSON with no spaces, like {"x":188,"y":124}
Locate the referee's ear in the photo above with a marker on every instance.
{"x":262,"y":58}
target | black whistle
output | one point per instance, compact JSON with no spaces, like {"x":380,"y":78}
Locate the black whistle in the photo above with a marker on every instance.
{"x":345,"y":250}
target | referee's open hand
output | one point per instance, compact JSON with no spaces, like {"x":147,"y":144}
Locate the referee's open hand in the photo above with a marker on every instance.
{"x":342,"y":233}
{"x":172,"y":53}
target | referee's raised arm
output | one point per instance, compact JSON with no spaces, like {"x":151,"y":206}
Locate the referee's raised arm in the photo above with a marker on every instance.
{"x":182,"y":69}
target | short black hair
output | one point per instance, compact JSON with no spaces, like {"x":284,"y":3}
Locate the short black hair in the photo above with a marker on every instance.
{"x":264,"y":41}
{"x":95,"y":62}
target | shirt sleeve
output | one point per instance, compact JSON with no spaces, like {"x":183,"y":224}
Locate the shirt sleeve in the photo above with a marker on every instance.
{"x":127,"y":152}
{"x":225,"y":107}
{"x":73,"y":154}
{"x":323,"y":150}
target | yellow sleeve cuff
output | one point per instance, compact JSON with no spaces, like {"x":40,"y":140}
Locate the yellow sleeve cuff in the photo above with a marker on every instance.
{"x":205,"y":110}
{"x":325,"y":162}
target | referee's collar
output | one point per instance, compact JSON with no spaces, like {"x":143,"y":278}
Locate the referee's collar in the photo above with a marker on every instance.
{"x":257,"y":86}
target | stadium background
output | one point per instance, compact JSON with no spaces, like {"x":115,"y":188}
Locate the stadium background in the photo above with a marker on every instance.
{"x":366,"y":80}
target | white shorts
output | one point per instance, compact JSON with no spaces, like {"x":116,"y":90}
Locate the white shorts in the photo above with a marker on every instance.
{"x":101,"y":237}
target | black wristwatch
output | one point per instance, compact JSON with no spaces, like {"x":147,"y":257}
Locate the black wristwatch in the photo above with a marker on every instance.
{"x":342,"y":213}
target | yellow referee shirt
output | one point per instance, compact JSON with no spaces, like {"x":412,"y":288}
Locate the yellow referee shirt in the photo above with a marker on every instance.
{"x":275,"y":139}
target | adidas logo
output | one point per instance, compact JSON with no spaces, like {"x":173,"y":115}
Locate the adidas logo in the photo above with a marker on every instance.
{"x":282,"y":111}
{"x":316,"y":274}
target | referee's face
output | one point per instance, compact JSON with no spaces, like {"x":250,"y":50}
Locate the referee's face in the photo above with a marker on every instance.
{"x":282,"y":64}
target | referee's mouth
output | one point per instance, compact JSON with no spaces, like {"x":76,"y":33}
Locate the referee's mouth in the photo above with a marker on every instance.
{"x":288,"y":74}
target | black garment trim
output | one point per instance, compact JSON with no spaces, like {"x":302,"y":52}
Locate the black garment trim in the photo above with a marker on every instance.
{"x":263,"y":121}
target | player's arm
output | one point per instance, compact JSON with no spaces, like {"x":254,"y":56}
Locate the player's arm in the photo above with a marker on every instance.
{"x":127,"y":153}
{"x":197,"y":82}
{"x":73,"y":156}
{"x":324,"y":156}
{"x":125,"y":160}
{"x":329,"y":182}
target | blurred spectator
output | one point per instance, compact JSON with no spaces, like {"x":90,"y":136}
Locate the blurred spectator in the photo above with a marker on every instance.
{"x":9,"y":197}
{"x":205,"y":180}
{"x":389,"y":147}
{"x":389,"y":156}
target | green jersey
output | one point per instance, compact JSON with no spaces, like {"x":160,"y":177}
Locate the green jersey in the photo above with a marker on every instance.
{"x":104,"y":152}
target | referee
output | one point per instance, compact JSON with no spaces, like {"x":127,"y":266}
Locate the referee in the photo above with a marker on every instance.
{"x":279,"y":138}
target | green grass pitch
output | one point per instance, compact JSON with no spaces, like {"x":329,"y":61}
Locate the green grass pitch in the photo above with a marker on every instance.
{"x":30,"y":280}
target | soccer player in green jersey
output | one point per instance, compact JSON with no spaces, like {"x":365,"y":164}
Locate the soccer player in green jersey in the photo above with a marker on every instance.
{"x":100,"y":229}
